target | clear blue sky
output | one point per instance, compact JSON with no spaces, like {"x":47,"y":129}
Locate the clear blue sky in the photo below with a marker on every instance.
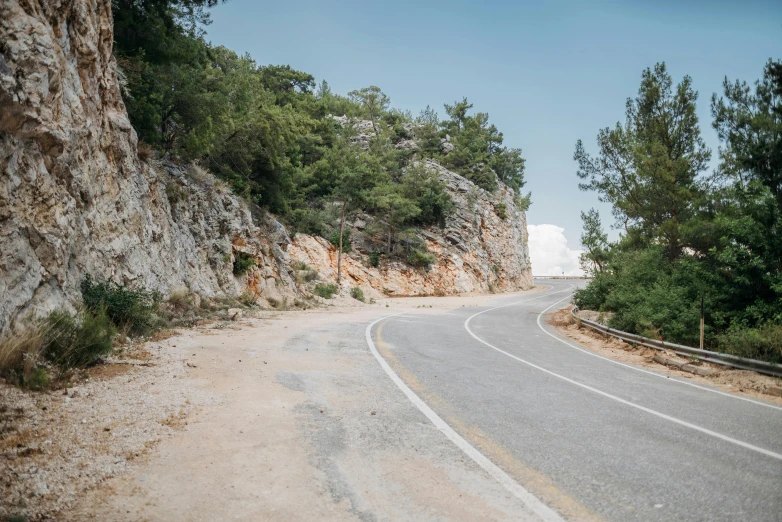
{"x":547,"y":72}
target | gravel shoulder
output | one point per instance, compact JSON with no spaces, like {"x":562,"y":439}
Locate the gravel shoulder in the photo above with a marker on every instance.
{"x":739,"y":382}
{"x":285,"y":416}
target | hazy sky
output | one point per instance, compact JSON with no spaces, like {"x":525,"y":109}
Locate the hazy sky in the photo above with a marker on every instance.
{"x":548,"y":73}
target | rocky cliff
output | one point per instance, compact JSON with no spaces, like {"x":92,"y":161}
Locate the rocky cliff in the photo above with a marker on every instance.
{"x":482,"y":247}
{"x":76,"y":199}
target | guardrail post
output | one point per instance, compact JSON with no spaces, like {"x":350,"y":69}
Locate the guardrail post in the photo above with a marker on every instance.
{"x":701,"y":322}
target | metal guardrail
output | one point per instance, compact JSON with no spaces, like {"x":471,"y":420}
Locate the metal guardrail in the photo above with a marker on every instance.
{"x":703,"y":355}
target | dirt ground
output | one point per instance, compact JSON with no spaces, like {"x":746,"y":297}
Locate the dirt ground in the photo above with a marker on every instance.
{"x":284,"y":416}
{"x":730,"y":380}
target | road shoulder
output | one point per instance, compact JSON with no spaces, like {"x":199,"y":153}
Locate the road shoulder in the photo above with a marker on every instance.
{"x":742,"y":383}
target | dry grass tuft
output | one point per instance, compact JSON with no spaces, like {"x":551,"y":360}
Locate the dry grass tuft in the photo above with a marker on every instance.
{"x":21,"y":350}
{"x":145,"y":151}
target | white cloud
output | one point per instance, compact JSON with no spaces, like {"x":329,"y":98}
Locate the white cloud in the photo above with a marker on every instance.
{"x":549,"y":252}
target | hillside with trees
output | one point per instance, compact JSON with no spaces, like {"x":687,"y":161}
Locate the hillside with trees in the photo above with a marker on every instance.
{"x":688,"y":233}
{"x":268,"y":130}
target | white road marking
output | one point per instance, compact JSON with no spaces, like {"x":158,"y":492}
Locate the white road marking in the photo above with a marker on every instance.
{"x":544,"y":512}
{"x":613,"y":397}
{"x":636,"y":368}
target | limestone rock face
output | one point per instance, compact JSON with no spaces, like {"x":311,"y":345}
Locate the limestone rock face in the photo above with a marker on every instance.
{"x":483,"y":246}
{"x":74,"y":197}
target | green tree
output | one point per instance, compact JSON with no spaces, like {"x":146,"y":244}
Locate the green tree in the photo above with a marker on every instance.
{"x":750,"y":124}
{"x":595,"y":243}
{"x":422,"y":186}
{"x":648,"y":167}
{"x":373,"y":100}
{"x":395,"y":209}
{"x":458,"y":114}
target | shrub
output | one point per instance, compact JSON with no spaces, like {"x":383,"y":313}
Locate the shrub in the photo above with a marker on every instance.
{"x":357,"y":293}
{"x":248,"y":299}
{"x":299,"y":265}
{"x":418,"y":258}
{"x":502,"y":210}
{"x":242,"y":263}
{"x":145,"y":151}
{"x":374,"y":259}
{"x":764,"y":343}
{"x":174,"y":193}
{"x":334,"y":239}
{"x":77,"y":341}
{"x":326,"y":290}
{"x":309,"y":275}
{"x":129,"y":309}
{"x":308,"y":221}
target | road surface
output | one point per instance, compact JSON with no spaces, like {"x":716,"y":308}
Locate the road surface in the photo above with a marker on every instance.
{"x":582,"y":436}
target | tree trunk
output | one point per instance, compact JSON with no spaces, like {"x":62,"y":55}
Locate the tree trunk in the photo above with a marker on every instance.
{"x":339,"y":252}
{"x":388,"y":248}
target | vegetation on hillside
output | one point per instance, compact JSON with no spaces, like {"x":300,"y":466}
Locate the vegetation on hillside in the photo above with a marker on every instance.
{"x":267,"y":130}
{"x":687,"y":233}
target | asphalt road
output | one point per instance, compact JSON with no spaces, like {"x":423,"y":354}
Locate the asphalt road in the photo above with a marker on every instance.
{"x":590,"y":438}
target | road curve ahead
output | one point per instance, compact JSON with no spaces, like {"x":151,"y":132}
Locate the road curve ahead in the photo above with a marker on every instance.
{"x":578,"y":436}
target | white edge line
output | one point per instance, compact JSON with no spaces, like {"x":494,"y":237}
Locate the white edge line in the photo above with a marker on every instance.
{"x":642,"y":370}
{"x":615,"y":398}
{"x":528,"y":499}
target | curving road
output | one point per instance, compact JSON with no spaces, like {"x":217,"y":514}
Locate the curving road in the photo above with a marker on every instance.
{"x":578,"y":436}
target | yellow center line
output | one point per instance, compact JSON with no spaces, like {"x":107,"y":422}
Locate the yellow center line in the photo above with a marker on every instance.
{"x":535,"y":481}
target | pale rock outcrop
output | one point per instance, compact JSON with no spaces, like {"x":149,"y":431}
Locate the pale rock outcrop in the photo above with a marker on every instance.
{"x":477,"y":250}
{"x":74,"y":197}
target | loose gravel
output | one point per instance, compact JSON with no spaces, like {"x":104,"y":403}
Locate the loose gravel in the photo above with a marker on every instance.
{"x":56,"y":445}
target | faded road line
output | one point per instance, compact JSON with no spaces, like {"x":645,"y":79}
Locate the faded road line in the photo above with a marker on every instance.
{"x":528,"y":499}
{"x":615,"y":398}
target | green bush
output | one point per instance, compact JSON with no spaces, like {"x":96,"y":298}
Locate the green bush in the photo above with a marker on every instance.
{"x":129,"y":309}
{"x":374,"y":259}
{"x":242,"y":263}
{"x":37,"y":379}
{"x":325,"y":290}
{"x":334,"y":239}
{"x":77,"y":341}
{"x":764,"y":343}
{"x":357,"y":293}
{"x":502,"y":210}
{"x":420,"y":259}
{"x":308,"y":221}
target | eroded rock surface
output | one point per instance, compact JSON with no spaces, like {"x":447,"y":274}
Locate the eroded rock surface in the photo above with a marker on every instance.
{"x":75,"y":198}
{"x":483,"y":246}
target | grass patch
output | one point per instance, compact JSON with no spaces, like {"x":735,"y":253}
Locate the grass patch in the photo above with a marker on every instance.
{"x":357,"y":293}
{"x":77,"y":341}
{"x":51,"y":346}
{"x":299,"y":265}
{"x":325,"y":290}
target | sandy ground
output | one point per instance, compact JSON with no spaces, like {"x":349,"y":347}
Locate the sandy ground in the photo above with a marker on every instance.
{"x":731,"y":380}
{"x":286,"y":416}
